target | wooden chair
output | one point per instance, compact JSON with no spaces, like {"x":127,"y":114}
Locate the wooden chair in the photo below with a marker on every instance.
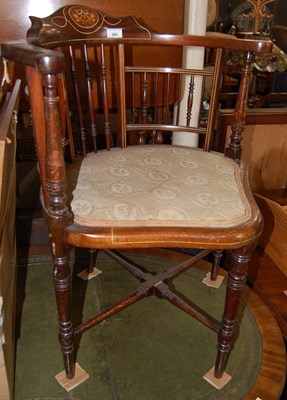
{"x":151,"y":195}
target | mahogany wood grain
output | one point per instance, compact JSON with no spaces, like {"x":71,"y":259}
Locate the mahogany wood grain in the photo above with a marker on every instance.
{"x":162,"y":15}
{"x":37,"y":103}
{"x":264,"y":145}
{"x":259,"y":116}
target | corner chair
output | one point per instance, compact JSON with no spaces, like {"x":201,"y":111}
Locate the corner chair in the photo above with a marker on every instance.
{"x":132,"y":188}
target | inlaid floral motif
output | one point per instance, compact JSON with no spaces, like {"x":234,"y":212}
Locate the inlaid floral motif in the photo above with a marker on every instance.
{"x":84,"y":17}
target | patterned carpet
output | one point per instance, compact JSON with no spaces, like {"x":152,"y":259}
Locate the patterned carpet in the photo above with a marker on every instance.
{"x":150,"y":351}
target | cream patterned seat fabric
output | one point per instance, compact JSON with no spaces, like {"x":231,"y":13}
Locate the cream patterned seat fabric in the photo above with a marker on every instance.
{"x":159,"y":185}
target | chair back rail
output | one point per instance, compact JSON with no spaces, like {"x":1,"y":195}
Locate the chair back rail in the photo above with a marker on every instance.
{"x":88,"y":77}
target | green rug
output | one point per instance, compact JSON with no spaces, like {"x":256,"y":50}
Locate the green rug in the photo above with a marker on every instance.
{"x":149,"y":351}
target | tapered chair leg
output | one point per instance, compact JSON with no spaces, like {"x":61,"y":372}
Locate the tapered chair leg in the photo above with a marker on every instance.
{"x":217,"y":254}
{"x":62,"y":285}
{"x":236,"y":280}
{"x":212,"y":278}
{"x":91,"y":271}
{"x":93,"y":259}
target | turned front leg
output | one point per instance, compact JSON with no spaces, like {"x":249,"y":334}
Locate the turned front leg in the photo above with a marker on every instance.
{"x":236,"y":280}
{"x":62,"y":285}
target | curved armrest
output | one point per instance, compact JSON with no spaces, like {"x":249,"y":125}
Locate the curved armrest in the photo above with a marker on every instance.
{"x":23,"y":52}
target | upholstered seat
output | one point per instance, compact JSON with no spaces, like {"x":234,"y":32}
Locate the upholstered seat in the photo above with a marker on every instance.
{"x":159,"y":185}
